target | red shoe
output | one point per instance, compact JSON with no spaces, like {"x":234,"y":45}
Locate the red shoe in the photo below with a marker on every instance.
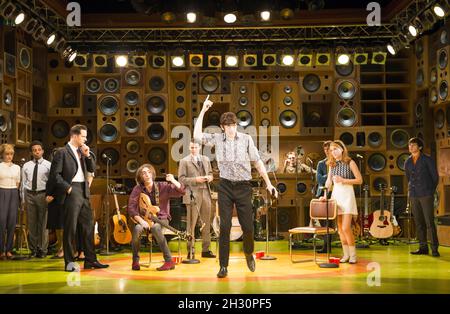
{"x":166,"y":266}
{"x":135,"y":265}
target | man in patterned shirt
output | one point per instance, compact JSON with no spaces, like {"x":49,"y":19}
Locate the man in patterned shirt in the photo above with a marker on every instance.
{"x":234,"y":152}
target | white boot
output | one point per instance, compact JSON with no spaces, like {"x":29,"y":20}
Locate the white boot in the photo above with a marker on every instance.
{"x":352,"y":252}
{"x":346,"y":256}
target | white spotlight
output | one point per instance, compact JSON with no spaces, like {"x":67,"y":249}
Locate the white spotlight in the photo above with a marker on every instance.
{"x":287,"y":60}
{"x":438,"y":10}
{"x":412,"y":30}
{"x":231,"y":61}
{"x":72,"y":56}
{"x":265,"y":15}
{"x":51,"y":39}
{"x":121,"y":61}
{"x":343,"y":59}
{"x":391,"y":49}
{"x":177,"y":61}
{"x":230,"y":18}
{"x":19,"y":18}
{"x":191,"y":17}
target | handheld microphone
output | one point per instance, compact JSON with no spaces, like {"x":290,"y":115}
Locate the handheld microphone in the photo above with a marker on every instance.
{"x":106,"y":157}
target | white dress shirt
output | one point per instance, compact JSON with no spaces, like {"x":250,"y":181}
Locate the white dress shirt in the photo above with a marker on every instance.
{"x":79,"y":176}
{"x":42,"y":174}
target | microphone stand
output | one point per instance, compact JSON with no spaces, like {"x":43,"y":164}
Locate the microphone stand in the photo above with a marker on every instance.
{"x":361,"y":243}
{"x":22,"y":232}
{"x":327,"y":264}
{"x":266,"y":256}
{"x":193,"y":260}
{"x":106,"y":207}
{"x":297,"y":210}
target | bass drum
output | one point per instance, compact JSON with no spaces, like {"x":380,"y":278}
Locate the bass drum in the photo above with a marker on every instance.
{"x":235,"y":232}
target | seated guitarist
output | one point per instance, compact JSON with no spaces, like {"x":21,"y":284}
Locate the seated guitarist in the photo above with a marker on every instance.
{"x":159,"y":194}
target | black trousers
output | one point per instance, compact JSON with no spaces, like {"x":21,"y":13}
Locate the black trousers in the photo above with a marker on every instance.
{"x":78,"y":211}
{"x":423,"y":212}
{"x":238,"y":194}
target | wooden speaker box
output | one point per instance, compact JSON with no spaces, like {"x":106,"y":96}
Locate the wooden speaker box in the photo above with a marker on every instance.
{"x":108,"y":119}
{"x":264,"y":101}
{"x":376,"y":180}
{"x":421,"y":62}
{"x":8,"y":90}
{"x":439,"y":117}
{"x":133,"y":154}
{"x":286,"y":96}
{"x":155,"y":123}
{"x":132,"y":111}
{"x":243,"y":103}
{"x":316,"y":82}
{"x":111,"y":151}
{"x":158,"y":156}
{"x":316,"y":115}
{"x":443,"y":55}
{"x":180,"y":94}
{"x":349,"y":70}
{"x":156,"y":76}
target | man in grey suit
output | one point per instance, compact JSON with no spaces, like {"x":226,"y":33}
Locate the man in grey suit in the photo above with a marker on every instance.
{"x":195,"y":172}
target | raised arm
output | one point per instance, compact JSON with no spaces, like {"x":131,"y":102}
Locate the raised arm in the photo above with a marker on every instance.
{"x":198,"y":127}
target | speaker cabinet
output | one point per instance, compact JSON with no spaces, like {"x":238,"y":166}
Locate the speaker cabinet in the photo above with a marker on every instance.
{"x":243,"y":103}
{"x":398,"y":138}
{"x":157,"y":156}
{"x":58,"y":67}
{"x":111,"y":151}
{"x":138,"y":61}
{"x":24,"y":83}
{"x":108,"y":119}
{"x":180,"y":95}
{"x":421,"y":65}
{"x":66,"y":97}
{"x":362,"y":138}
{"x":323,"y":60}
{"x":345,"y":70}
{"x":156,"y":118}
{"x":443,"y":204}
{"x":59,"y":127}
{"x":6,"y":127}
{"x":439,"y":117}
{"x":22,"y":132}
{"x":8,"y":96}
{"x":133,"y":154}
{"x":132,"y":77}
{"x":316,"y":115}
{"x":443,"y":74}
{"x":375,"y":181}
{"x":156,"y":76}
{"x":316,"y":83}
{"x":213,"y":83}
{"x":264,"y":100}
{"x":377,"y":163}
{"x":10,"y":65}
{"x":25,"y":58}
{"x":287,"y":191}
{"x":89,"y":105}
{"x":24,"y":107}
{"x":287,"y":219}
{"x":131,"y":111}
{"x":396,"y":161}
{"x":347,"y":103}
{"x":286,"y":96}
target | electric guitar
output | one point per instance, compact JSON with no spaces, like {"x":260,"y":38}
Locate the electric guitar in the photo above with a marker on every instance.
{"x":397,"y":229}
{"x":381,"y":227}
{"x":122,"y":233}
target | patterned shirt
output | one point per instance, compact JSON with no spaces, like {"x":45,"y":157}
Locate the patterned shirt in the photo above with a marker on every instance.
{"x":342,"y":169}
{"x":233,"y":156}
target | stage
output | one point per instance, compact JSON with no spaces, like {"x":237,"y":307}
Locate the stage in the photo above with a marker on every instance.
{"x":380,"y":269}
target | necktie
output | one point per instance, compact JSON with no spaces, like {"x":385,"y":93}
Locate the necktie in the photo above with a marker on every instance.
{"x":35,"y":174}
{"x":81,"y":160}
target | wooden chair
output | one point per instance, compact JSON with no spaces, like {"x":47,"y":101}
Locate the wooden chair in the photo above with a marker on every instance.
{"x":317,"y":210}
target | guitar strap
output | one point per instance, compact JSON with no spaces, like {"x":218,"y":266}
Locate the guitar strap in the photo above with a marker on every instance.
{"x":156,"y":191}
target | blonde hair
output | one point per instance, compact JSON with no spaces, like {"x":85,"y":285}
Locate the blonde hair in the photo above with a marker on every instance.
{"x":139,"y":179}
{"x":345,"y":158}
{"x":6,"y":148}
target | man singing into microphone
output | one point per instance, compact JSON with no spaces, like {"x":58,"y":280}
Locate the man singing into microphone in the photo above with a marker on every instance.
{"x":195,"y":172}
{"x":70,"y":167}
{"x":234,"y":151}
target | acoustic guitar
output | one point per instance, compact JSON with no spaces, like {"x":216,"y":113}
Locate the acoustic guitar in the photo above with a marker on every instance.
{"x":396,"y":227}
{"x":381,"y":227}
{"x":122,"y":234}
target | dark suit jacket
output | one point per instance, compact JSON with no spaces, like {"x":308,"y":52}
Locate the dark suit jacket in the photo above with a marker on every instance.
{"x":422,"y":177}
{"x":64,"y":168}
{"x":321,"y":176}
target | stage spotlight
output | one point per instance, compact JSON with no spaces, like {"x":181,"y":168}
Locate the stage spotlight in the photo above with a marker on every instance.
{"x":230,"y":18}
{"x":265,"y":16}
{"x":51,"y":39}
{"x":287,"y":59}
{"x":438,"y":10}
{"x":231,"y":61}
{"x":391,"y":49}
{"x":177,"y":61}
{"x":72,"y":56}
{"x":168,"y":17}
{"x":19,"y":18}
{"x":342,"y":57}
{"x":287,"y":14}
{"x":412,"y":30}
{"x":191,"y":17}
{"x":121,"y":60}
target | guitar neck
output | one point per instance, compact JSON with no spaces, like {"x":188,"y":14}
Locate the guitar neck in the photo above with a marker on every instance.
{"x":366,"y":202}
{"x":165,"y":225}
{"x":117,"y":204}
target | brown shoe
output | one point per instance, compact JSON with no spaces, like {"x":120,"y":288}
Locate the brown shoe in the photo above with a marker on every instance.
{"x":166,"y":266}
{"x":135,"y":265}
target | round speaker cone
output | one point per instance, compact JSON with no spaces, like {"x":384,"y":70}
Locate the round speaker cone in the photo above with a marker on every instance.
{"x":243,"y":89}
{"x":346,"y":117}
{"x":265,"y":109}
{"x":4,"y":123}
{"x":433,"y":75}
{"x":419,"y":110}
{"x":80,"y":61}
{"x":434,"y":95}
{"x":132,"y":77}
{"x":346,"y":90}
{"x":250,"y":61}
{"x":281,"y":187}
{"x":180,"y":112}
{"x":156,"y":156}
{"x":360,"y":58}
{"x":243,"y":101}
{"x":269,"y":59}
{"x":448,"y":116}
{"x":265,"y":96}
{"x":401,"y":159}
{"x":93,"y":85}
{"x":210,"y":83}
{"x":443,"y":59}
{"x":311,"y":82}
{"x":111,"y":153}
{"x":180,"y":99}
{"x":344,"y":69}
{"x":443,"y":90}
{"x":155,"y":131}
{"x":213,"y":118}
{"x":244,"y":118}
{"x":444,"y":37}
{"x":377,"y":162}
{"x":132,"y":147}
{"x":179,"y":85}
{"x":420,"y":77}
{"x":132,"y":165}
{"x":196,"y":60}
{"x":265,"y":123}
{"x":11,"y":65}
{"x":156,"y":105}
{"x":24,"y":58}
{"x":377,"y":182}
{"x":131,"y":98}
{"x":439,"y":119}
{"x":287,"y":101}
{"x":347,"y":138}
{"x":287,"y":89}
{"x":69,"y":100}
{"x":323,"y":59}
{"x":288,"y":119}
{"x":304,"y":60}
{"x":111,"y":85}
{"x":139,"y":61}
{"x":156,"y":83}
{"x":301,"y":188}
{"x":132,"y":125}
{"x":375,"y":139}
{"x":100,"y":60}
{"x":8,"y":98}
{"x":108,"y":133}
{"x":399,"y":138}
{"x":60,"y":129}
{"x":109,"y":105}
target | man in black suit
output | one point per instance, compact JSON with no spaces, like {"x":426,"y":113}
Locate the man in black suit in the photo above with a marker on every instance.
{"x":69,"y":169}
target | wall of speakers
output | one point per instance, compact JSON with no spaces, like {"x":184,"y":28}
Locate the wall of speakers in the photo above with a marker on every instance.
{"x":108,"y":119}
{"x":421,"y":62}
{"x":58,"y":69}
{"x":398,"y":138}
{"x":362,"y":138}
{"x":316,"y":111}
{"x":102,"y":84}
{"x":316,"y":83}
{"x":6,"y":127}
{"x":9,"y":67}
{"x":286,"y":96}
{"x":347,"y":103}
{"x":113,"y":152}
{"x":132,"y":77}
{"x":158,"y":156}
{"x":443,"y":74}
{"x":156,"y":118}
{"x":156,"y":76}
{"x":25,"y":57}
{"x":131,"y":111}
{"x":8,"y":96}
{"x":180,"y":95}
{"x":132,"y":150}
{"x":396,"y":161}
{"x":243,"y":103}
{"x":345,"y":70}
{"x":264,"y":99}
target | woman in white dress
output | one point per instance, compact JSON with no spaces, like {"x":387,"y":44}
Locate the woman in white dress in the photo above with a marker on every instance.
{"x":343,"y":174}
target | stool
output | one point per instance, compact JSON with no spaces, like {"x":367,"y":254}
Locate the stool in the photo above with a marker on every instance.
{"x":150,"y":239}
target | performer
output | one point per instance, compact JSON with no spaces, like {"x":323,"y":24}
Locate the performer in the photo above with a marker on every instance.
{"x":159,"y":194}
{"x":321,"y":178}
{"x":195,"y":172}
{"x":343,"y":174}
{"x":34,"y":179}
{"x":293,"y":162}
{"x":69,"y":168}
{"x":423,"y":179}
{"x":234,"y":151}
{"x":9,"y":199}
